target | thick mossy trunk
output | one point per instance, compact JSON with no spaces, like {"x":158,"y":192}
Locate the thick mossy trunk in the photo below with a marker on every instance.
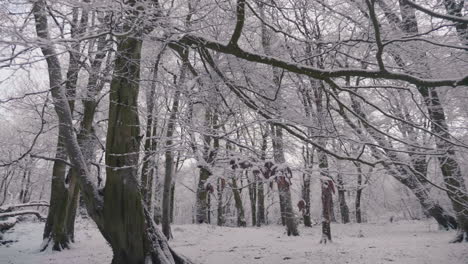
{"x":121,"y":218}
{"x":129,"y":227}
{"x":56,"y":234}
{"x":63,"y":226}
{"x":72,"y":203}
{"x":123,"y":209}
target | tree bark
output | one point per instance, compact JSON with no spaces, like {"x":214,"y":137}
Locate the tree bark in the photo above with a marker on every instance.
{"x":252,"y":186}
{"x":205,"y":165}
{"x":306,"y":197}
{"x":306,"y":178}
{"x":344,"y":210}
{"x":358,"y":193}
{"x":55,"y":232}
{"x":327,"y":199}
{"x":149,"y":167}
{"x":133,"y":239}
{"x":202,"y":208}
{"x":238,"y":201}
{"x":287,"y":211}
{"x":327,"y":190}
{"x":261,"y":220}
{"x":169,"y":162}
{"x":260,"y":204}
{"x":220,"y":211}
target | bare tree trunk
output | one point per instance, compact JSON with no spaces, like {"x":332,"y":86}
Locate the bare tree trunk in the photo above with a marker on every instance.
{"x":342,"y":200}
{"x":202,"y":209}
{"x":25,"y":185}
{"x":261,"y":219}
{"x":450,"y":168}
{"x":359,"y":188}
{"x":405,"y":176}
{"x":252,"y":186}
{"x":306,"y":197}
{"x":9,"y":174}
{"x":59,"y":229}
{"x":54,"y":232}
{"x":282,"y":208}
{"x":205,"y":165}
{"x":220,"y":212}
{"x":238,"y":201}
{"x":307,"y":154}
{"x":202,"y":206}
{"x":172,"y":202}
{"x":169,"y":163}
{"x":327,"y":199}
{"x":287,"y":211}
{"x":327,"y":189}
{"x":149,"y":167}
{"x":133,"y":239}
{"x":260,"y":203}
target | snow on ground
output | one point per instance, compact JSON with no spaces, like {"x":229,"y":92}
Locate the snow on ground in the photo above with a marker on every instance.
{"x":401,"y":242}
{"x":91,"y":248}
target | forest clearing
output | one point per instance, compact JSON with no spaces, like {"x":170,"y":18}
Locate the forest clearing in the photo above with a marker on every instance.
{"x":409,"y":242}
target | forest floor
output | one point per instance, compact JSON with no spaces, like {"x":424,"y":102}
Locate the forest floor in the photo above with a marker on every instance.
{"x":406,"y":242}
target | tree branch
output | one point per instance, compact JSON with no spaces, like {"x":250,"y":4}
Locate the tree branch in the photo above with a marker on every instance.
{"x":378,"y":39}
{"x":24,"y":212}
{"x":321,"y":74}
{"x":51,"y":159}
{"x":434,"y":14}
{"x":240,"y":12}
{"x":9,"y":208}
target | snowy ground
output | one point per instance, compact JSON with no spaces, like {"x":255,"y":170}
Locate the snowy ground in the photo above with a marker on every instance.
{"x":402,"y":242}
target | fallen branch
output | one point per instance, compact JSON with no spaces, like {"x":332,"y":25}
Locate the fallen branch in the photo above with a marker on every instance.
{"x":10,"y":207}
{"x":23,"y":212}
